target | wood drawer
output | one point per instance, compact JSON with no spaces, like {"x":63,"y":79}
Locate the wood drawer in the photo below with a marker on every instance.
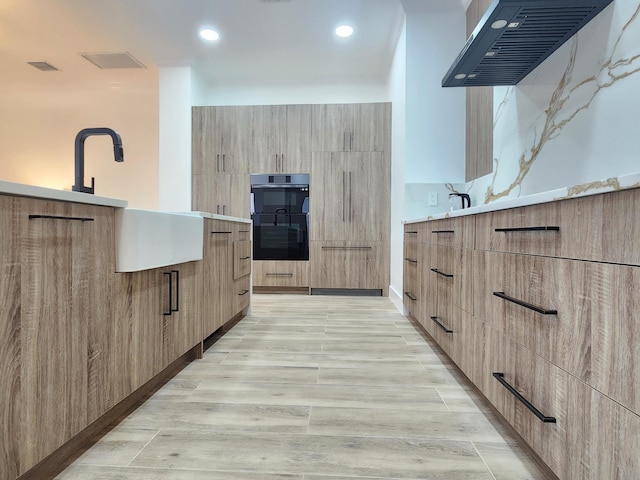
{"x":542,"y":384}
{"x":241,"y":294}
{"x":599,"y":227}
{"x":348,"y":265}
{"x":241,"y":258}
{"x":594,"y":334}
{"x":267,"y":273}
{"x":452,"y":232}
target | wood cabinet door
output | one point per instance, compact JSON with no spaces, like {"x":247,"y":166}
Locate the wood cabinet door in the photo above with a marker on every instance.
{"x":367,"y":195}
{"x":216,"y":298}
{"x":370,"y":127}
{"x":241,"y":258}
{"x":235,"y":129}
{"x":55,"y":309}
{"x":327,"y":197}
{"x":269,"y":125}
{"x":222,"y":194}
{"x":331,"y":125}
{"x":180,"y":329}
{"x":11,"y":435}
{"x":296,"y":156}
{"x":206,"y":141}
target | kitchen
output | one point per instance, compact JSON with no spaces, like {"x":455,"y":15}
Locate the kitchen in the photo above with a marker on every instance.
{"x":588,"y":140}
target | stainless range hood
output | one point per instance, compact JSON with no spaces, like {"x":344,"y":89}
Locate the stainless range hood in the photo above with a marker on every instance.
{"x":515,"y":36}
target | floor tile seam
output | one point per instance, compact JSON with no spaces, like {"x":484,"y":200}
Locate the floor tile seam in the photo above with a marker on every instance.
{"x":145,"y":446}
{"x":443,"y":400}
{"x":483,"y":460}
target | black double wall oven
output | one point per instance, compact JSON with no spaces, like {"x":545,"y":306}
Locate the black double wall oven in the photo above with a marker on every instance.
{"x":280,"y":215}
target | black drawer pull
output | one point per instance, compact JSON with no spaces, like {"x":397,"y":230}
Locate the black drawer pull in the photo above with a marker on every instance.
{"x":437,"y":322}
{"x":245,"y":258}
{"x":177,"y":309}
{"x":500,"y":377}
{"x":448,"y":275}
{"x":244,"y":292}
{"x":221,"y":233}
{"x":411,"y":232}
{"x":243,"y":231}
{"x":529,"y":229}
{"x":411,"y":260}
{"x":347,"y":248}
{"x":56,"y":217}
{"x":168,"y":313}
{"x":279,"y":274}
{"x":525,"y":304}
{"x":442,"y":231}
{"x":411,"y":297}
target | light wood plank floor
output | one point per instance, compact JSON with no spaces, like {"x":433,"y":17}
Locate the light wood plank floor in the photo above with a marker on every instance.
{"x":312,"y":388}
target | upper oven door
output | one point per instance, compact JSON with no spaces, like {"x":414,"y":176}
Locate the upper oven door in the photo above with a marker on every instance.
{"x":280,"y":199}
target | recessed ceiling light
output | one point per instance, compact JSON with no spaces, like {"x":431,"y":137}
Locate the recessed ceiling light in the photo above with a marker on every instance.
{"x":209,"y":34}
{"x":460,"y":76}
{"x":344,"y":31}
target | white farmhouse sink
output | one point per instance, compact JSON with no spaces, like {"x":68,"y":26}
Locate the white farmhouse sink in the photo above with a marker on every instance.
{"x":147,"y":239}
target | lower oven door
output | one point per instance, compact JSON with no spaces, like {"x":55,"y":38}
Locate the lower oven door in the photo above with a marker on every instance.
{"x":280,"y":236}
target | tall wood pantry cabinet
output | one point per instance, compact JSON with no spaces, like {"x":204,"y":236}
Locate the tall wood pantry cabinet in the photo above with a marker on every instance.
{"x":346,"y":149}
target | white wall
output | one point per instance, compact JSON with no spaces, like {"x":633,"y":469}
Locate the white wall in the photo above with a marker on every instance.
{"x":293,"y":94}
{"x":39,"y":122}
{"x":435,"y":116}
{"x":397,"y":95}
{"x":175,"y":139}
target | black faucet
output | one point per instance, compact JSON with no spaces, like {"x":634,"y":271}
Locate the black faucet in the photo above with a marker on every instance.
{"x":118,"y":153}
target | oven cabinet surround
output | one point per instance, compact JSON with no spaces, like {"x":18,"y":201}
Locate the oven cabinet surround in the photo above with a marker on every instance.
{"x":77,"y":338}
{"x":345,"y":147}
{"x":553,"y":310}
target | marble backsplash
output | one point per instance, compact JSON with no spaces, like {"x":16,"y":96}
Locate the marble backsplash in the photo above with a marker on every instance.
{"x":574,"y":120}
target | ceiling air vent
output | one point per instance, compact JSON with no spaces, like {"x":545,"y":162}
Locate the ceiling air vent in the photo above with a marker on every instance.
{"x":113,"y":60}
{"x":515,"y":36}
{"x":44,"y":66}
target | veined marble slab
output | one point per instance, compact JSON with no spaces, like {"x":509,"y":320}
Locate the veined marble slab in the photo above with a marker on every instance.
{"x":613,"y":184}
{"x":22,"y":190}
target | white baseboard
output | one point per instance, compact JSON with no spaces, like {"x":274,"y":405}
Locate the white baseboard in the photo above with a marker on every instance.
{"x":397,"y":300}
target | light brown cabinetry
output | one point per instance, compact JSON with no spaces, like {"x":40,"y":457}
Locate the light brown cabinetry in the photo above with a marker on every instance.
{"x":344,"y":206}
{"x":222,"y":194}
{"x":282,"y":139}
{"x":412,"y":255}
{"x":274,"y":273}
{"x":362,"y":127}
{"x":346,"y":265}
{"x":546,"y":327}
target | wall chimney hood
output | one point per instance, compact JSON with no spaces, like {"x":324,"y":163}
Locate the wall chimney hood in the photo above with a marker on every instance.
{"x":515,"y":36}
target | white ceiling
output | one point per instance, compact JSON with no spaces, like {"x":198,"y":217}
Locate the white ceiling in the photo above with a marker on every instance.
{"x":286,"y":41}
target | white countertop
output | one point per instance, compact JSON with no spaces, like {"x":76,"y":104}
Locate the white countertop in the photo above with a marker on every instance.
{"x":215,"y":216}
{"x":10,"y":188}
{"x":594,"y":188}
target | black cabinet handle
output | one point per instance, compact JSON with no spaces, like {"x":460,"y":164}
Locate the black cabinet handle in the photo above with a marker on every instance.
{"x":411,"y":297}
{"x":500,"y":377}
{"x":541,"y":310}
{"x":412,"y":232}
{"x":244,"y":292}
{"x":245,"y":258}
{"x":529,"y":229}
{"x":448,"y":275}
{"x":347,"y":248}
{"x":170,"y":275}
{"x":57,"y":217}
{"x":177,"y":309}
{"x":411,"y":260}
{"x":279,"y":274}
{"x":243,"y":231}
{"x":437,"y":322}
{"x":222,"y":233}
{"x":442,"y":231}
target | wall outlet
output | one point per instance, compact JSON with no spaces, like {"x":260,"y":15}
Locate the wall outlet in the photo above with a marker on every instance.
{"x":433,"y":199}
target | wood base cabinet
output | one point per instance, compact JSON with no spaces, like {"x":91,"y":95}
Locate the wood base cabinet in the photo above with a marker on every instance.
{"x":541,"y":314}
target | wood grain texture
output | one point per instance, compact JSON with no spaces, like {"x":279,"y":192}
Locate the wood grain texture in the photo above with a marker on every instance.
{"x":346,"y":265}
{"x":55,"y":296}
{"x":223,"y":194}
{"x":273,"y":273}
{"x":218,"y":271}
{"x":241,"y":258}
{"x":479,"y":109}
